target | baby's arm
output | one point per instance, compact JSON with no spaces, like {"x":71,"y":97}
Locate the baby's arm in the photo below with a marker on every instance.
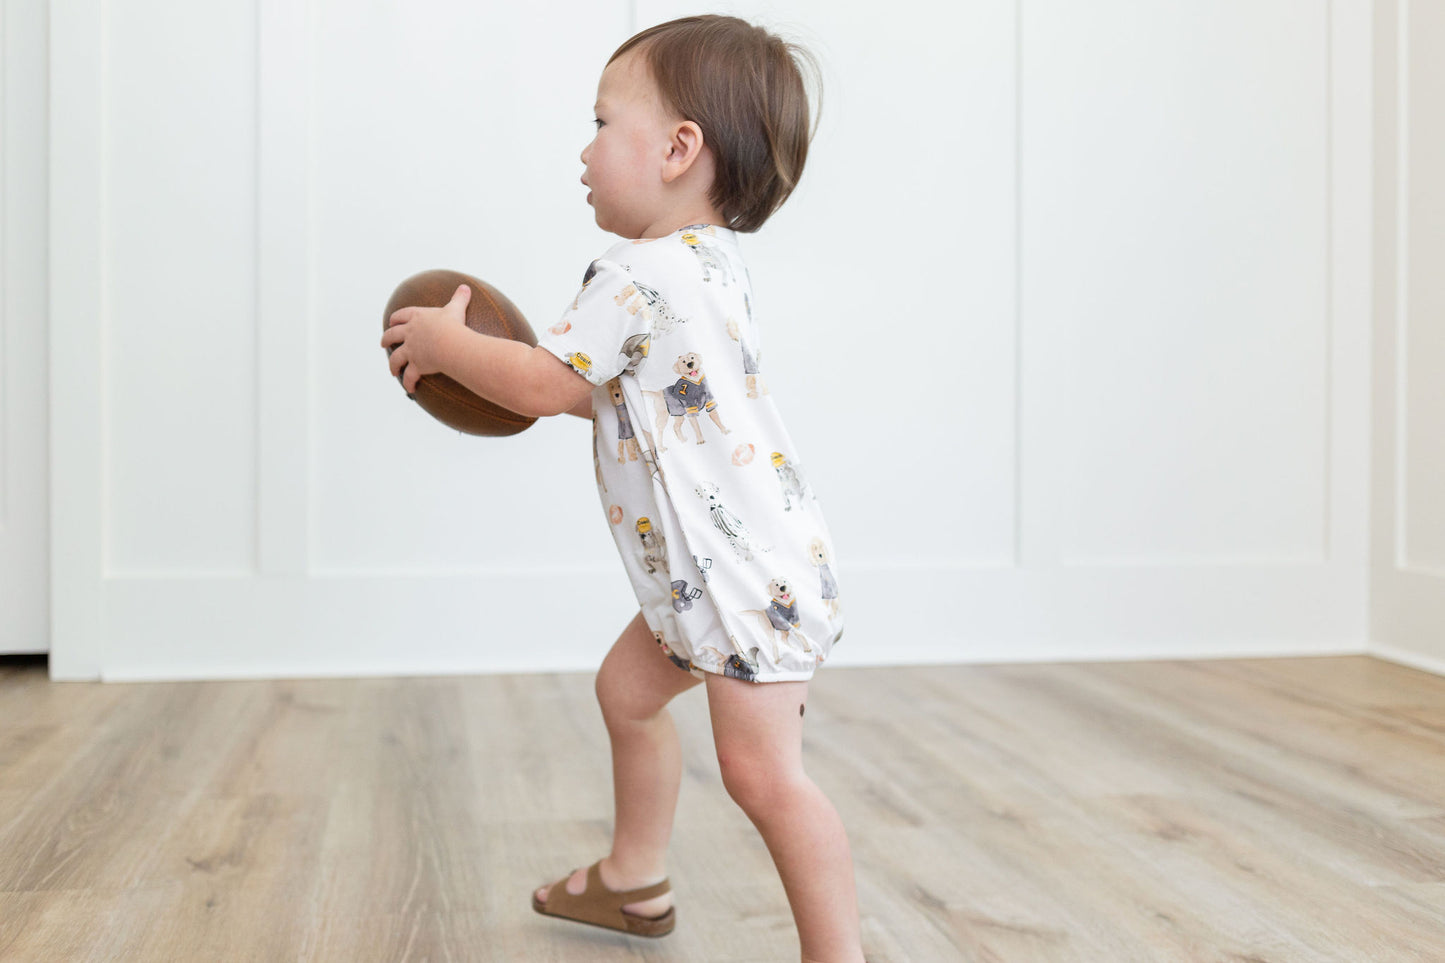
{"x":583,"y":410}
{"x":529,"y":381}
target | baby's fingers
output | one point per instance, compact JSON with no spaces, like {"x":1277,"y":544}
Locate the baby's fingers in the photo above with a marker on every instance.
{"x":397,"y":361}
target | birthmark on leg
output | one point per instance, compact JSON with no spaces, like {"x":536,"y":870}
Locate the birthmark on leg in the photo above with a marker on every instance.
{"x":800,"y":710}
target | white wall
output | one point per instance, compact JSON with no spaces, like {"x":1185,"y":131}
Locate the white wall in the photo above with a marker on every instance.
{"x":1070,"y":318}
{"x":24,"y":431}
{"x":1407,"y":582}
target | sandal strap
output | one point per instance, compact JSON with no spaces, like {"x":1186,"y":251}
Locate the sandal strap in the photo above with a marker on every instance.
{"x":597,"y":903}
{"x":623,"y":897}
{"x":628,"y":895}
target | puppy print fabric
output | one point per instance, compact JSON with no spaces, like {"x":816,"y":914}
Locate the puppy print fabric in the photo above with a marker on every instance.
{"x":711,"y":506}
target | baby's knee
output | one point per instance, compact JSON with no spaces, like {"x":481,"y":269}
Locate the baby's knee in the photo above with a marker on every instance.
{"x":620,"y":699}
{"x":611,"y":697}
{"x":757,"y":788}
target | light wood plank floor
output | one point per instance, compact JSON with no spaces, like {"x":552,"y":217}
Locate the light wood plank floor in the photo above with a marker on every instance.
{"x":1259,"y":810}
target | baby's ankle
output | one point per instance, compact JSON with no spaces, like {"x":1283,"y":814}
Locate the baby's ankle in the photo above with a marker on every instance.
{"x":632,"y":875}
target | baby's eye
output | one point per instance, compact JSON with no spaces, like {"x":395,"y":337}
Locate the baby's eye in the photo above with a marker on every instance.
{"x":597,"y":122}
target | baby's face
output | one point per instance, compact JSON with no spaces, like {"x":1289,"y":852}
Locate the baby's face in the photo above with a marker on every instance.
{"x":625,"y":159}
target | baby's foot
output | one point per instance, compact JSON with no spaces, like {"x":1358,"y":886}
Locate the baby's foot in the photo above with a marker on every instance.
{"x":649,"y":908}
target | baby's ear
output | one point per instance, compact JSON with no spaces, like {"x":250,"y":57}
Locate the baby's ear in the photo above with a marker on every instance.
{"x":686,"y":147}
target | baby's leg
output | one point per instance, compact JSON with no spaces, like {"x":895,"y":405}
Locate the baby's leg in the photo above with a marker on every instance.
{"x":634,"y":685}
{"x":758,"y":730}
{"x":662,"y":417}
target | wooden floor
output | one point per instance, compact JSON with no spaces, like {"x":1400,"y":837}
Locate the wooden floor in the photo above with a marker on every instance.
{"x":1263,"y":810}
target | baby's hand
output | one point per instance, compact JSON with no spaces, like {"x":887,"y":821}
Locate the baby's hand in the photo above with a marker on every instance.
{"x":417,"y":337}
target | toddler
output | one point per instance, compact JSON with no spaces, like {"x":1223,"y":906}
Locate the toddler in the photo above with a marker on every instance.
{"x":702,"y":132}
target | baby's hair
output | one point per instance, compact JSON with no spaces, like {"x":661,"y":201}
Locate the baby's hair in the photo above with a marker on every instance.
{"x":742,"y":86}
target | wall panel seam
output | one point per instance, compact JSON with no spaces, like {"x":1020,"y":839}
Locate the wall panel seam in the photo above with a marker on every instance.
{"x":5,"y":283}
{"x":1329,"y":256}
{"x":1018,"y":493}
{"x":1402,"y":260}
{"x":102,"y":291}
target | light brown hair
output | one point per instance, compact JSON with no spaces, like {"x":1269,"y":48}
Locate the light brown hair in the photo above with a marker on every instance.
{"x":743,"y":87}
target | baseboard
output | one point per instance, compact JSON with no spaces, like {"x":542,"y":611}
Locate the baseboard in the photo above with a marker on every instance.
{"x":1414,"y":660}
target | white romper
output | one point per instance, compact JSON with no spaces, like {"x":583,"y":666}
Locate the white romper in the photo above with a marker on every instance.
{"x":718,"y":527}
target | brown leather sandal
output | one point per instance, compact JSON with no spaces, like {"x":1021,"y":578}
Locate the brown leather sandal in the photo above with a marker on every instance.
{"x":601,"y":906}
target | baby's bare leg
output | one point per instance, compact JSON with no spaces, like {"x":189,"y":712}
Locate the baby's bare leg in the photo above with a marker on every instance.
{"x":758,"y":730}
{"x":634,"y":685}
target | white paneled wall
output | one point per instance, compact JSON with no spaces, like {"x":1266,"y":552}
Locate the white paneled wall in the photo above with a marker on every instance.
{"x":1070,"y":318}
{"x":1176,"y":259}
{"x":1408,"y":523}
{"x":179,"y":300}
{"x":24,"y":431}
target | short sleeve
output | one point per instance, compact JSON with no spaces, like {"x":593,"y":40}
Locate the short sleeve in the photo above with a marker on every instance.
{"x":605,"y":330}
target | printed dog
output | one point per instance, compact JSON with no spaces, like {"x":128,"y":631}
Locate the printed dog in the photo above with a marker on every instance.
{"x":688,"y":397}
{"x":667,"y":651}
{"x":645,"y":302}
{"x":791,"y":478}
{"x":751,"y":361}
{"x":818,"y":554}
{"x":729,"y":524}
{"x":626,"y":437}
{"x":707,"y":258}
{"x":654,"y":546}
{"x":737,"y":666}
{"x":781,"y":615}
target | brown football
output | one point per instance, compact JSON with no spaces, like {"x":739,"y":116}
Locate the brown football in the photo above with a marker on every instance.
{"x":488,"y":312}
